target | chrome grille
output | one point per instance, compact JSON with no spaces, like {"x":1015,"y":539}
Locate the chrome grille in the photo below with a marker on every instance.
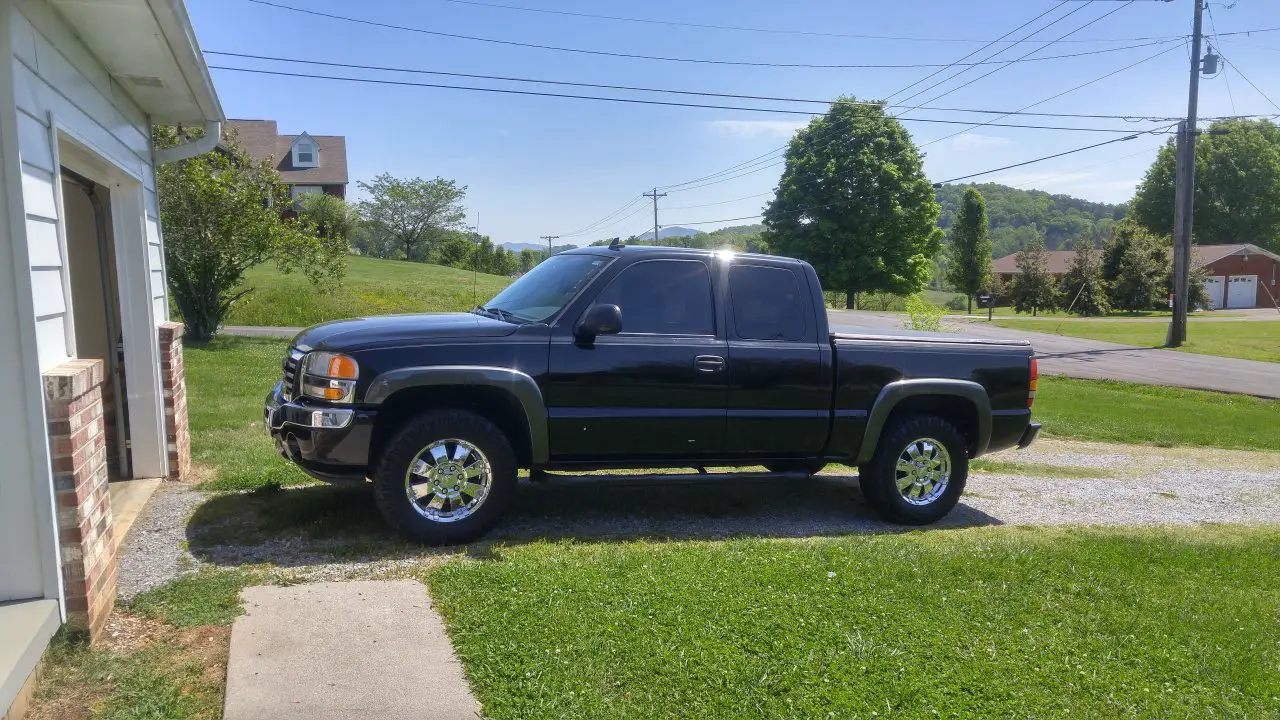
{"x":291,"y":362}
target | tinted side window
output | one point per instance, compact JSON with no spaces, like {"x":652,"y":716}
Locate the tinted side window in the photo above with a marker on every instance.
{"x":663,"y":297}
{"x":767,"y":304}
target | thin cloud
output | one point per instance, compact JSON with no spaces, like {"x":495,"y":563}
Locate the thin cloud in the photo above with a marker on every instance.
{"x":757,"y":128}
{"x":976,"y":141}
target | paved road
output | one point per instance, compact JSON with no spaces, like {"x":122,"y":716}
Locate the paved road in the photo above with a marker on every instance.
{"x":1096,"y":360}
{"x":1059,"y":355}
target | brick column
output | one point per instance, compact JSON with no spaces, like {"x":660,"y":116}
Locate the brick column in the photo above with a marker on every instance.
{"x":77,"y":443}
{"x":173,"y":380}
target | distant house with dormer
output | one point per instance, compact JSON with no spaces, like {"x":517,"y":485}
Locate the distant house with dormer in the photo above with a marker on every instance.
{"x":307,"y":163}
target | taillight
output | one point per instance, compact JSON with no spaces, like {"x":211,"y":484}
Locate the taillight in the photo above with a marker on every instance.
{"x":1035,"y":380}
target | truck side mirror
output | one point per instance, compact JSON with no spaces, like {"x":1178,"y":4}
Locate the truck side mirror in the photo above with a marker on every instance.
{"x":599,"y":320}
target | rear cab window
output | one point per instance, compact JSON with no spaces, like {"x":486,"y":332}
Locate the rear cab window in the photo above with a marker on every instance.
{"x":767,"y":303}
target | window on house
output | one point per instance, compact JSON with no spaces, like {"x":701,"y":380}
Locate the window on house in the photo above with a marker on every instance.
{"x":304,"y":155}
{"x":298,"y":191}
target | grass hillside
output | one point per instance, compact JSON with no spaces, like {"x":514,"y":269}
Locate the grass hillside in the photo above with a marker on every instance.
{"x":371,"y":287}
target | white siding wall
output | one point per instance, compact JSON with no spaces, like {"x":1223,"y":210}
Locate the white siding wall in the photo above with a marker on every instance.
{"x":55,"y":73}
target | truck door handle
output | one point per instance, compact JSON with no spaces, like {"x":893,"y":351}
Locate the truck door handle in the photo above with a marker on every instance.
{"x":708,"y":363}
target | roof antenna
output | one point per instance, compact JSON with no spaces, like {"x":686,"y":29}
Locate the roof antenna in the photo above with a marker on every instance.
{"x":616,"y":244}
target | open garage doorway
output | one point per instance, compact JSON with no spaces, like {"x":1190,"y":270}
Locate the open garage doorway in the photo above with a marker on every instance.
{"x":95,"y":304}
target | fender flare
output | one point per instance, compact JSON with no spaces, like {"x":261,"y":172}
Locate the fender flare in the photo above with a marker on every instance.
{"x":895,"y":392}
{"x":520,"y":386}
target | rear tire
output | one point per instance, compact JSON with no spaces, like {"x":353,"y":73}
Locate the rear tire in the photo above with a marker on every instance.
{"x":918,"y":472}
{"x":445,"y":478}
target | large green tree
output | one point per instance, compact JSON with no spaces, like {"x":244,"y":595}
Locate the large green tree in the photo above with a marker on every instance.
{"x":1237,"y":192}
{"x":1137,"y":268}
{"x":969,"y":252}
{"x":854,"y":201}
{"x":220,"y":213}
{"x":413,"y":211}
{"x":1034,"y":288}
{"x":1084,"y":290}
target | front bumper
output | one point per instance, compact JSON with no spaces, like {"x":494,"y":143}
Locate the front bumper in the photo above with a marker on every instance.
{"x":328,"y":443}
{"x":1029,"y":435}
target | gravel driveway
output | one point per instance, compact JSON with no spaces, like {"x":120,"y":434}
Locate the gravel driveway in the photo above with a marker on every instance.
{"x":1135,"y":485}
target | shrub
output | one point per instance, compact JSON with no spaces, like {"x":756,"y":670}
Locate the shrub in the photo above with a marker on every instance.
{"x":923,"y":315}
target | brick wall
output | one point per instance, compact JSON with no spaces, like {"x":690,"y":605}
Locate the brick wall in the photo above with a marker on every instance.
{"x":77,"y":443}
{"x":173,"y":380}
{"x":1267,"y":270}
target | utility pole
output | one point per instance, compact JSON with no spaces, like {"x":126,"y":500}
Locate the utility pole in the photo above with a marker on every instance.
{"x":655,"y":195}
{"x":549,"y":238}
{"x":1184,"y":200}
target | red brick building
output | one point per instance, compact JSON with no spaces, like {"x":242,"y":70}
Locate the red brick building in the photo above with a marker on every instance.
{"x":1238,"y":276}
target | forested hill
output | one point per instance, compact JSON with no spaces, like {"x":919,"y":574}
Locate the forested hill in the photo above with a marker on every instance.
{"x":1014,"y":215}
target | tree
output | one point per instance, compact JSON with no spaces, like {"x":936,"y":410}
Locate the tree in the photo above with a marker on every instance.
{"x":529,"y":259}
{"x":1083,"y":288}
{"x":854,"y":201}
{"x":1237,"y":193}
{"x":969,"y":254}
{"x":1137,"y":267}
{"x":1034,"y":288}
{"x":332,"y":218}
{"x":454,"y":250}
{"x":413,"y":211}
{"x":221,"y":216}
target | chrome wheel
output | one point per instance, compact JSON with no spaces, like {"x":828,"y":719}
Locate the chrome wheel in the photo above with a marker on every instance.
{"x":923,"y":471}
{"x":448,"y":480}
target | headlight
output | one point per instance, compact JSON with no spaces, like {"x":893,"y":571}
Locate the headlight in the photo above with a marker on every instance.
{"x":329,"y":376}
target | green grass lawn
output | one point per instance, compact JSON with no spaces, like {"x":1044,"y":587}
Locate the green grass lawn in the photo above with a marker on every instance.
{"x":1248,"y":339}
{"x":1131,"y":413}
{"x":227,"y":382}
{"x":994,"y":622}
{"x":371,"y":287}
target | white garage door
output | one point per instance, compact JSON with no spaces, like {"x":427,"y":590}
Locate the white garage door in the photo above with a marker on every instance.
{"x":1242,"y":291}
{"x":1214,"y":287}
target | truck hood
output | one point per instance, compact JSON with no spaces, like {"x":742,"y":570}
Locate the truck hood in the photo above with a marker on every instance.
{"x":389,"y":330}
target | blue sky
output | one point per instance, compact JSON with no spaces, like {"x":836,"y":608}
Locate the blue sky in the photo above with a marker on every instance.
{"x":537,"y":166}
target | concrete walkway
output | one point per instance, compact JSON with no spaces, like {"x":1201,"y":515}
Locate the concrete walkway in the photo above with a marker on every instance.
{"x":1097,"y":360}
{"x":339,"y":650}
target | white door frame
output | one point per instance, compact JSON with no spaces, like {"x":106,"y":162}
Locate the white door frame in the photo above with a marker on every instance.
{"x":149,"y":456}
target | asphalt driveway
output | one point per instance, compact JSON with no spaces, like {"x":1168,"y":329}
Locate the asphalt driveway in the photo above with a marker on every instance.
{"x":1097,"y":360}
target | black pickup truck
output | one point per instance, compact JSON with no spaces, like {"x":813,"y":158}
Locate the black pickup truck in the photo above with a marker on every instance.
{"x":641,"y":357}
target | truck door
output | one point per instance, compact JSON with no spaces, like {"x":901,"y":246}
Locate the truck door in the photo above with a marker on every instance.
{"x":779,"y":397}
{"x":654,"y":390}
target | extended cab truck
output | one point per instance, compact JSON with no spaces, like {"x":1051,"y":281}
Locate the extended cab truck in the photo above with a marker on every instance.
{"x":641,"y":357}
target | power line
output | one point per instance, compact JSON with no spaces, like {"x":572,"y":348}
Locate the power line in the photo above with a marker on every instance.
{"x":834,"y":129}
{"x":934,"y":74}
{"x":1226,"y":79}
{"x":1042,"y":159}
{"x":722,"y":202}
{"x":963,"y":177}
{"x":1087,"y":167}
{"x":604,"y":221}
{"x":1058,"y":95}
{"x":633,"y":56}
{"x":1246,"y":79}
{"x":1026,"y":56}
{"x":637,"y":88}
{"x":634,"y":101}
{"x":740,"y":28}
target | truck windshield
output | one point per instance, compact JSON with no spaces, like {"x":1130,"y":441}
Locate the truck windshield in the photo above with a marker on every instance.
{"x":545,"y":290}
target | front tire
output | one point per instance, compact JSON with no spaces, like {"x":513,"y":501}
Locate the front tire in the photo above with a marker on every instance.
{"x":445,"y":478}
{"x":918,"y":471}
